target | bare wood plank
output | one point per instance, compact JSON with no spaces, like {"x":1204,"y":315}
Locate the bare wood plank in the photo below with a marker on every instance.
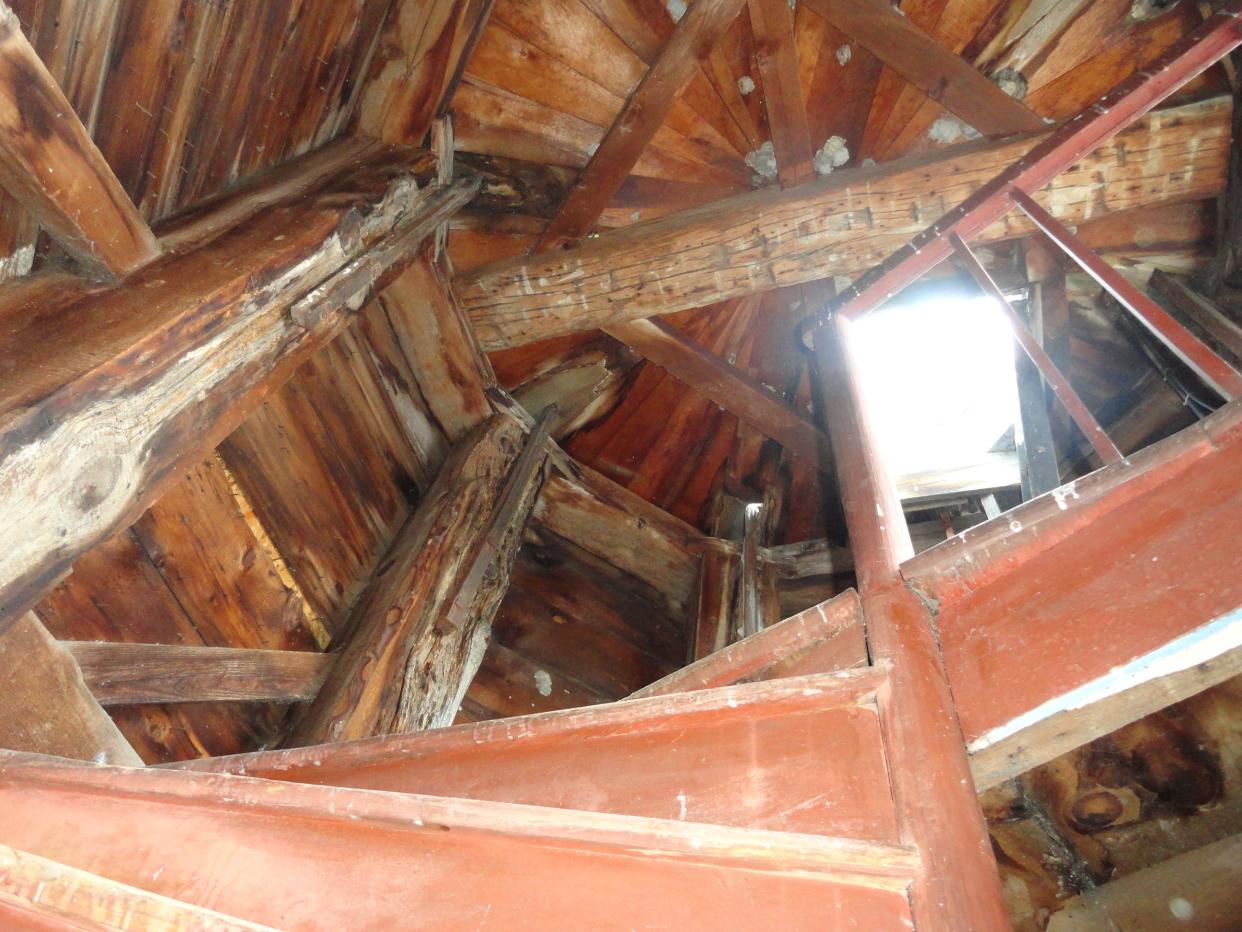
{"x":726,"y":385}
{"x":772,"y":22}
{"x":419,"y":631}
{"x":138,"y":674}
{"x":838,"y":225}
{"x":929,"y":66}
{"x":47,"y":707}
{"x":1200,"y":311}
{"x":808,"y":558}
{"x":423,"y":51}
{"x":50,"y":164}
{"x":644,"y":113}
{"x":112,"y":395}
{"x":34,"y":891}
{"x":452,"y":373}
{"x":713,"y":604}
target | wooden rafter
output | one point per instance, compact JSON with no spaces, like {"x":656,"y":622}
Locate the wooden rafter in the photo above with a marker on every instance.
{"x":51,"y":166}
{"x":772,"y":22}
{"x":838,"y":225}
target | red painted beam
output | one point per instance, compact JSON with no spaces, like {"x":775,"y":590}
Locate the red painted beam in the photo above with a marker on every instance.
{"x":1060,"y":385}
{"x":1217,"y":373}
{"x":1218,"y":36}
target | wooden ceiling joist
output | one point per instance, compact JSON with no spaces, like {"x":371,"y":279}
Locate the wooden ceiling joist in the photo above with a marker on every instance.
{"x":935,"y":70}
{"x":839,"y":225}
{"x":109,"y":392}
{"x":643,"y":114}
{"x":52,"y":167}
{"x":772,"y":22}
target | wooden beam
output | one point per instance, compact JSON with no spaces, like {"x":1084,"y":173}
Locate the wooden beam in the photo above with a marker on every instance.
{"x":772,"y":22}
{"x":808,"y":558}
{"x":731,"y":388}
{"x":107,"y":394}
{"x":47,"y":707}
{"x":712,"y":609}
{"x":1196,"y":890}
{"x":838,"y":225}
{"x":935,"y":70}
{"x":693,"y":39}
{"x":584,"y":382}
{"x":51,"y":166}
{"x":136,"y":674}
{"x":36,"y":893}
{"x":751,"y":618}
{"x":418,"y":633}
{"x":422,"y":53}
{"x":1201,"y":312}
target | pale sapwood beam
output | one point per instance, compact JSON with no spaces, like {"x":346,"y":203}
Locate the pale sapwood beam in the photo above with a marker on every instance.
{"x":935,"y":70}
{"x":50,"y":164}
{"x":839,"y":225}
{"x":109,"y":392}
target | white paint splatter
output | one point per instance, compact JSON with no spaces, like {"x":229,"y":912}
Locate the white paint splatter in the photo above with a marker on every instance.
{"x":681,"y":806}
{"x":1181,"y":909}
{"x":676,"y":9}
{"x":833,"y":154}
{"x":745,"y":85}
{"x":844,"y":54}
{"x":1064,"y":494}
{"x":543,"y":682}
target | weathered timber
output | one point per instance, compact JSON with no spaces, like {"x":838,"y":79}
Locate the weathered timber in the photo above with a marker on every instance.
{"x":48,"y":708}
{"x":731,"y":388}
{"x":643,"y":114}
{"x":418,"y":633}
{"x":712,"y":613}
{"x":823,"y":639}
{"x":945,"y":77}
{"x":808,"y":558}
{"x":312,"y":856}
{"x":110,"y":392}
{"x":772,"y":22}
{"x":444,"y":358}
{"x":585,"y":382}
{"x":36,"y":893}
{"x":1197,"y":890}
{"x":838,"y":225}
{"x":138,"y":674}
{"x":51,"y":166}
{"x":422,"y":52}
{"x":1223,"y":332}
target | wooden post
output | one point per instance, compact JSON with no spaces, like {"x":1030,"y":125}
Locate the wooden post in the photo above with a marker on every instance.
{"x":1037,"y":453}
{"x":419,"y":632}
{"x":713,"y":603}
{"x":958,"y":887}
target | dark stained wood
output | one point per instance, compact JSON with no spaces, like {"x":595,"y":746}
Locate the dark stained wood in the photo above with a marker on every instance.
{"x":764,"y":240}
{"x":48,"y":708}
{"x":139,"y":674}
{"x":929,"y":66}
{"x":418,"y":633}
{"x":216,"y":328}
{"x":643,"y":114}
{"x":1223,"y":333}
{"x":49,"y":163}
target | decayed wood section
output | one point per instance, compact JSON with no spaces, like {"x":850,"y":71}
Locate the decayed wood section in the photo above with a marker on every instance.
{"x":419,"y":632}
{"x":48,"y":708}
{"x":36,"y":893}
{"x":138,"y":674}
{"x":584,"y":381}
{"x":326,"y":857}
{"x":444,"y":358}
{"x":110,"y":392}
{"x":728,"y":386}
{"x":422,"y":51}
{"x":50,"y":164}
{"x":839,"y":225}
{"x":929,"y":66}
{"x":642,"y":116}
{"x":823,"y":639}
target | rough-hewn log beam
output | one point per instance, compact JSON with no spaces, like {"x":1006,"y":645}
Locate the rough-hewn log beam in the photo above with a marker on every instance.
{"x":47,"y":706}
{"x":929,"y":66}
{"x":50,"y":164}
{"x":418,"y":633}
{"x":135,"y":674}
{"x":838,"y":225}
{"x":728,"y":386}
{"x":106,"y":393}
{"x":643,"y":114}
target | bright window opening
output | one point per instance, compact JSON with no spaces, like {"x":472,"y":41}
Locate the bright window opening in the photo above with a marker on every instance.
{"x":939,"y":379}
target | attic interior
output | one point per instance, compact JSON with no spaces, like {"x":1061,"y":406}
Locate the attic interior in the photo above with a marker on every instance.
{"x":453,"y":456}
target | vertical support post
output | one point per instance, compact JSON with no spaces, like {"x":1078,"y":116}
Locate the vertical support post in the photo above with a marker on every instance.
{"x":958,"y":886}
{"x":755,"y":520}
{"x":1037,"y":453}
{"x":713,"y":604}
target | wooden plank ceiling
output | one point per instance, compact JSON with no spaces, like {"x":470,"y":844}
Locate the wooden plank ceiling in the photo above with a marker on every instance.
{"x":270,"y":541}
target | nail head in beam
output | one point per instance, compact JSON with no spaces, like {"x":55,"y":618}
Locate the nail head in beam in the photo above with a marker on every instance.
{"x":51,"y":166}
{"x":1217,"y":373}
{"x":1059,"y":384}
